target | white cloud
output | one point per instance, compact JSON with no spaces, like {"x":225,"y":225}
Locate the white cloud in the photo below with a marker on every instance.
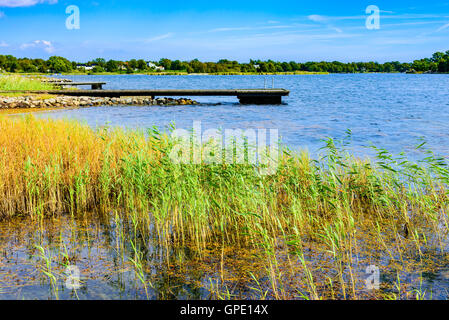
{"x":385,"y":15}
{"x":247,"y":28}
{"x":317,"y":18}
{"x":43,"y":44}
{"x":3,"y":44}
{"x":24,"y":3}
{"x":443,"y":27}
{"x":337,"y":29}
{"x":323,"y":20}
{"x":160,"y":37}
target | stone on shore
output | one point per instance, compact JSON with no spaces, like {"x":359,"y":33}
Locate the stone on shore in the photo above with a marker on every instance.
{"x":75,"y":102}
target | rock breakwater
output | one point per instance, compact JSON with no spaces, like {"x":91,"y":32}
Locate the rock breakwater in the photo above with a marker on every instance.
{"x":74,"y":102}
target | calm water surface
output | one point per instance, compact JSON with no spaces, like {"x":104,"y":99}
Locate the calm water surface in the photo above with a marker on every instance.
{"x":392,"y":111}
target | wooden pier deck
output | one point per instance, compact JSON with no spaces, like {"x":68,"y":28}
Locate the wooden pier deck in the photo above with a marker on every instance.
{"x":245,"y":96}
{"x":94,"y":85}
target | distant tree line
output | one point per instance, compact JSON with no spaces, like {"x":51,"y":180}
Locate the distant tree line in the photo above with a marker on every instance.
{"x":439,"y":62}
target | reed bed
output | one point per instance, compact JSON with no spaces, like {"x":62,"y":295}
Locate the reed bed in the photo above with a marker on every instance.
{"x":312,"y":226}
{"x":17,"y":82}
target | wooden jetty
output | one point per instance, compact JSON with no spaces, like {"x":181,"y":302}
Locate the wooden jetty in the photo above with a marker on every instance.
{"x":94,"y":85}
{"x":55,"y":80}
{"x":245,"y":96}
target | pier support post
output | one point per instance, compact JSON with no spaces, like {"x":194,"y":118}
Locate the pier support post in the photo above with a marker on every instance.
{"x":260,"y":99}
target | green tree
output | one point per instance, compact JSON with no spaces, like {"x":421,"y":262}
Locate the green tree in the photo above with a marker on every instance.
{"x":59,"y":64}
{"x":141,"y":64}
{"x":166,"y":63}
{"x":132,"y":64}
{"x":100,"y":62}
{"x":437,"y":56}
{"x":26,"y":65}
{"x":112,"y":66}
{"x":286,"y":67}
{"x":176,"y":65}
{"x":443,"y":65}
{"x":98,"y":69}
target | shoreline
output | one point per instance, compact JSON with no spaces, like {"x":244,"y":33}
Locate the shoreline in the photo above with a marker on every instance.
{"x":60,"y":101}
{"x":171,"y":74}
{"x":213,"y":74}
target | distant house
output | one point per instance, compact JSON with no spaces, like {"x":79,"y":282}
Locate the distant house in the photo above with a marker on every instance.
{"x":256,"y":66}
{"x":86,"y":67}
{"x":154,"y":66}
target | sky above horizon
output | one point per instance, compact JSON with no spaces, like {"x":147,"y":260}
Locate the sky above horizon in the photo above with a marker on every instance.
{"x":236,"y":30}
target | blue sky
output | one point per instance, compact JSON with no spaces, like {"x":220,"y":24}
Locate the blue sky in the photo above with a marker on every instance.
{"x":211,"y":30}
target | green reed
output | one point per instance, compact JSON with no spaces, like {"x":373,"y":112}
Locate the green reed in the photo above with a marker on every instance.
{"x":339,"y":204}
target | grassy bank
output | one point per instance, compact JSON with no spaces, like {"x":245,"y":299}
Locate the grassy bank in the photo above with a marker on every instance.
{"x":315,"y":225}
{"x":19,"y":82}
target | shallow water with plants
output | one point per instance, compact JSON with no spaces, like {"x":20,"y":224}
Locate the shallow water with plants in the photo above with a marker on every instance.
{"x":113,"y":203}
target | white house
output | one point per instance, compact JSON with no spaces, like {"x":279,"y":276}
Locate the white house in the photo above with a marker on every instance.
{"x":87,"y":68}
{"x":154,"y":66}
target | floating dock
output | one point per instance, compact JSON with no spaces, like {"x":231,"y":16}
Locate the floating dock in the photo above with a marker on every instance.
{"x":245,"y":96}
